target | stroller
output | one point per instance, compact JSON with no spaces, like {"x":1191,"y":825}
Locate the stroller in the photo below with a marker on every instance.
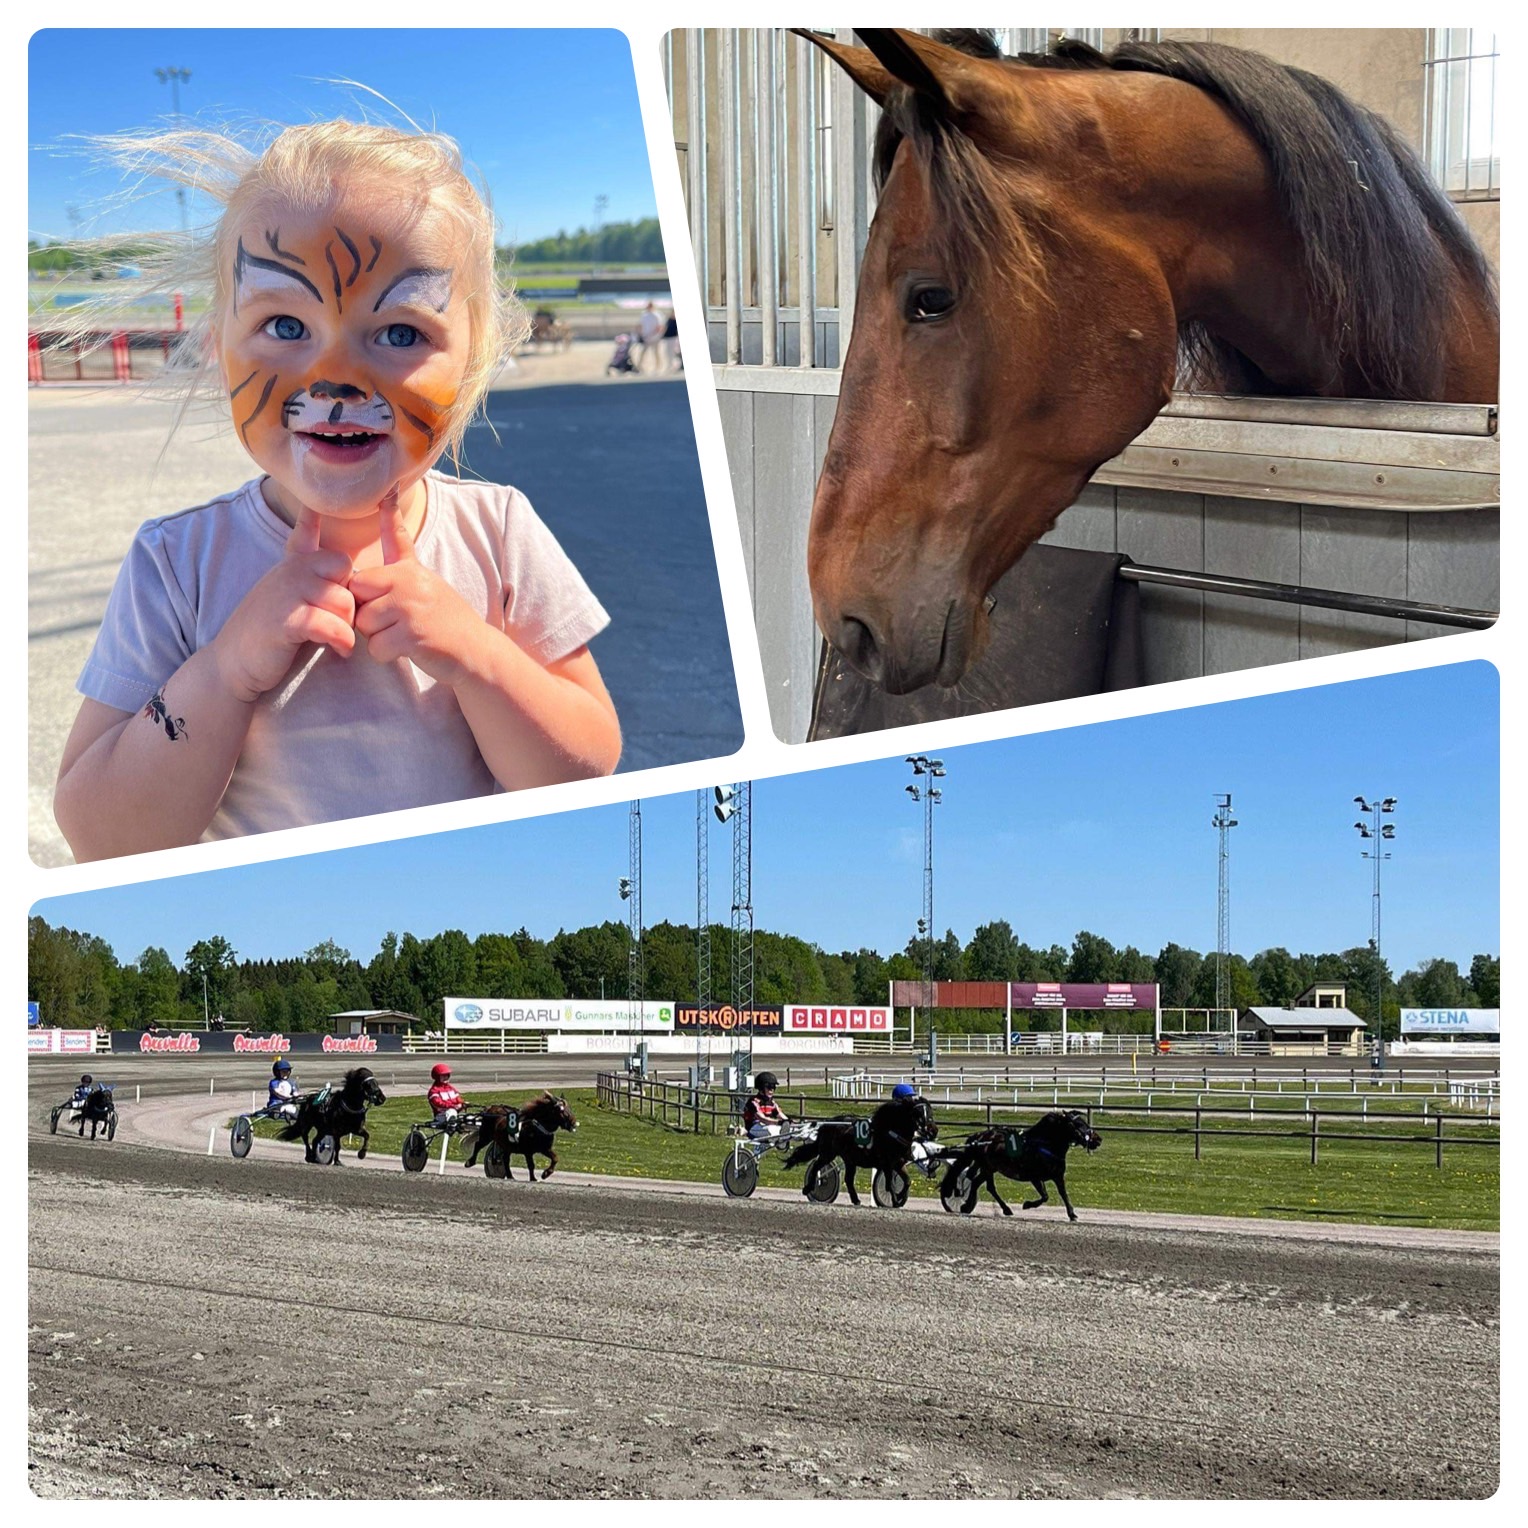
{"x":621,"y":360}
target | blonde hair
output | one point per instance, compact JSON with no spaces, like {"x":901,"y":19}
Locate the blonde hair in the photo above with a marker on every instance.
{"x":305,"y":166}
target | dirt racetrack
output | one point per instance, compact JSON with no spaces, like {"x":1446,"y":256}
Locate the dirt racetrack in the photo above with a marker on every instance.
{"x":201,"y":1327}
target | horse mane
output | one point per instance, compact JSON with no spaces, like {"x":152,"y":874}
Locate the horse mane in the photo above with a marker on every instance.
{"x":1381,"y":242}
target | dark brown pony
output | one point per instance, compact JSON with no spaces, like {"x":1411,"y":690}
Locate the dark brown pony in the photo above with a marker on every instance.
{"x":536,"y":1130}
{"x":1054,"y":235}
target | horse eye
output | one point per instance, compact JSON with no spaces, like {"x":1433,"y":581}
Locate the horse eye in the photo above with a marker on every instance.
{"x":929,"y":303}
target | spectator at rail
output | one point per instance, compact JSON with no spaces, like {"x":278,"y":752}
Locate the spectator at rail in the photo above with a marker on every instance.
{"x":443,"y":1098}
{"x":671,"y":344}
{"x":649,"y":332}
{"x":281,"y":1091}
{"x":763,"y":1118}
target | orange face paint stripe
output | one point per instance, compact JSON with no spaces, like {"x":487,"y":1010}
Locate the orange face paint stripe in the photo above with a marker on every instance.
{"x":273,"y":238}
{"x":418,"y":423}
{"x":265,"y":397}
{"x":355,"y":256}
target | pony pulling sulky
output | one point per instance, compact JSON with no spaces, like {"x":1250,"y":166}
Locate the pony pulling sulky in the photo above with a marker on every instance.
{"x":884,"y":1142}
{"x":533,"y":1135}
{"x":335,"y":1113}
{"x":1036,"y":1156}
{"x":1059,"y":237}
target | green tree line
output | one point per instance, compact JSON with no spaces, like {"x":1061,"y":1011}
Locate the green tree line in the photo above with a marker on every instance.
{"x":79,"y":981}
{"x":638,"y":243}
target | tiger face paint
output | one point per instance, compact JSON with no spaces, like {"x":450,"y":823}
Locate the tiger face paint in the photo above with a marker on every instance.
{"x":344,"y":341}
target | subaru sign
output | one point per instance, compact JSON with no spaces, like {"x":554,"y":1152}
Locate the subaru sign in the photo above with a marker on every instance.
{"x":466,"y":1014}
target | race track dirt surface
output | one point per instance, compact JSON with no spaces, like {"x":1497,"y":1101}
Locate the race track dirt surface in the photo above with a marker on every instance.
{"x":201,"y":1327}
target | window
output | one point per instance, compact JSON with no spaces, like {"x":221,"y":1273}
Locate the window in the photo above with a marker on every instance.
{"x":1461,"y":112}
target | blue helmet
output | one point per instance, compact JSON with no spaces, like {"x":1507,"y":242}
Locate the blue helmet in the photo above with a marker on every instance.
{"x":281,"y":1067}
{"x":904,"y":1090}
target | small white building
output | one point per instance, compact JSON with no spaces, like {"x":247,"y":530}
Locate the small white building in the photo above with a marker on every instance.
{"x":1309,"y":1030}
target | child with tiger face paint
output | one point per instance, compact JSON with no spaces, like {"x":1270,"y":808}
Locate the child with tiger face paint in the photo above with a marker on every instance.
{"x":355,"y":631}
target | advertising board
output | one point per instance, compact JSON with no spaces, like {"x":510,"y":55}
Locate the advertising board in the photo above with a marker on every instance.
{"x":556,"y":1014}
{"x":826,"y":1018}
{"x":1451,"y":1021}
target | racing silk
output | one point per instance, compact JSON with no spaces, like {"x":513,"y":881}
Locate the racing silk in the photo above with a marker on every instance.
{"x":282,"y":1091}
{"x":761,"y":1111}
{"x":443,"y":1096}
{"x":81,"y":1093}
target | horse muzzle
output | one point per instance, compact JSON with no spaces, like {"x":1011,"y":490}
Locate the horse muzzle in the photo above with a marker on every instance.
{"x":906,"y":649}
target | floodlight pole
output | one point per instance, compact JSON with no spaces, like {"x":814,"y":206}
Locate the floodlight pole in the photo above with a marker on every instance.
{"x":927,"y":795}
{"x":1223,"y":821}
{"x":742,"y":907}
{"x":702,"y":922}
{"x":172,"y":78}
{"x":636,"y":972}
{"x":1378,"y":833}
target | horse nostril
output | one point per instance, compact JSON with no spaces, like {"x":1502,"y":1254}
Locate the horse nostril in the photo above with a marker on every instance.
{"x":857,"y":642}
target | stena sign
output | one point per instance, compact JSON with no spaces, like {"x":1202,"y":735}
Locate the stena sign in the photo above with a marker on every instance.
{"x":1451,"y":1021}
{"x":556,"y":1014}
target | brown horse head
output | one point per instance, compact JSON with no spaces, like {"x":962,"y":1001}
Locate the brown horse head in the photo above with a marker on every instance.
{"x":1045,"y":241}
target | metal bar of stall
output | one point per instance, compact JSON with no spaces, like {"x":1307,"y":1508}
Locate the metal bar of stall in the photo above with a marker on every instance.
{"x":732,"y":192}
{"x":765,"y":226}
{"x":695,"y":154}
{"x":1299,"y":594}
{"x":806,"y":199}
{"x":849,"y":153}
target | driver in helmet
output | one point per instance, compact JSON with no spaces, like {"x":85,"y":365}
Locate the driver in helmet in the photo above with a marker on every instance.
{"x":763,"y":1118}
{"x":82,"y":1091}
{"x":907,"y":1093}
{"x":281,"y":1091}
{"x":443,"y":1099}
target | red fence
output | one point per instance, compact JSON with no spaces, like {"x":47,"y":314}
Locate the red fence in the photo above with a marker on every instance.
{"x":116,"y":355}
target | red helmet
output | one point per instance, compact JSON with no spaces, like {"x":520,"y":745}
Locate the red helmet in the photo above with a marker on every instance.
{"x":440,"y":1072}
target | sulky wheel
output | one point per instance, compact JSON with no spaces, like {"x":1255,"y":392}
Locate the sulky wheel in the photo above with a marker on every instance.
{"x":111,"y":1126}
{"x":890,"y":1188}
{"x":416,"y":1151}
{"x":955,"y":1191}
{"x":53,"y":1120}
{"x":241,"y":1136}
{"x":740,"y":1174}
{"x":825,"y":1189}
{"x":325,"y":1149}
{"x":496,"y":1161}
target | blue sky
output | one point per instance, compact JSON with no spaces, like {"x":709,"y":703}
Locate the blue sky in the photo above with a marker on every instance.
{"x":1106,"y":828}
{"x":549,"y":118}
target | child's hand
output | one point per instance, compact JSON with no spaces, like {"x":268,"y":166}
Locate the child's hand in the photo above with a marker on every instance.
{"x":406,"y":611}
{"x":304,"y":598}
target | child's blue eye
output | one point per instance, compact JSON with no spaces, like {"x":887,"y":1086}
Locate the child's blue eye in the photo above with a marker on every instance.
{"x":285,"y":327}
{"x":401,"y":335}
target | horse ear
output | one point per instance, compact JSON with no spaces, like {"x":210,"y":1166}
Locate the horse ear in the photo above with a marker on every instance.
{"x":956,"y":84}
{"x":860,"y":64}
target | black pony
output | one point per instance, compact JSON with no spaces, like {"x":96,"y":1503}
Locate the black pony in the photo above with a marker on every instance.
{"x":336,"y":1112}
{"x":538,"y":1124}
{"x":884,"y":1142}
{"x":98,"y":1109}
{"x":1036,"y":1155}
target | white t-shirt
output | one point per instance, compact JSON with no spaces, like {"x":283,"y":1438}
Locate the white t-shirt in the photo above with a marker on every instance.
{"x":338,"y":737}
{"x":649,"y":326}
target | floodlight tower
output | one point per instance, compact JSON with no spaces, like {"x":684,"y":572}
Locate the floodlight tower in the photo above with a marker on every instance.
{"x":927,"y":795}
{"x":734,"y":803}
{"x":702,"y":923}
{"x":1378,"y":834}
{"x":631,"y":893}
{"x":1223,"y":821}
{"x":172,"y":78}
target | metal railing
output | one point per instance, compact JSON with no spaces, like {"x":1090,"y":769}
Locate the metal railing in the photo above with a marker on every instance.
{"x":680,"y":1106}
{"x":466,"y":1042}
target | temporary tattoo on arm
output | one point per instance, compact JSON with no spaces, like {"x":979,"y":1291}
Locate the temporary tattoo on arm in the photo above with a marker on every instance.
{"x":427,"y":285}
{"x":158,"y":712}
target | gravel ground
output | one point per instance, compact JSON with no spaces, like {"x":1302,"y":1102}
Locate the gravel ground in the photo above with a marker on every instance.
{"x":201,"y":1327}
